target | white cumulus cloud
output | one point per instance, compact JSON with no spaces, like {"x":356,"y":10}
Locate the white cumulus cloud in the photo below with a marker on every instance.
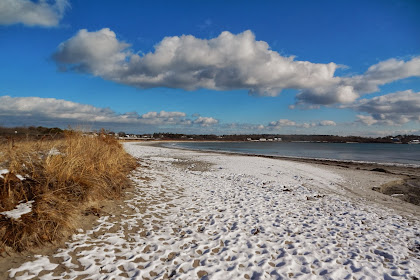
{"x":32,"y":13}
{"x":347,"y":89}
{"x":163,"y":117}
{"x":366,"y":119}
{"x":327,"y":123}
{"x":282,"y":122}
{"x":206,"y":121}
{"x":51,"y":111}
{"x":390,"y":109}
{"x":225,"y":62}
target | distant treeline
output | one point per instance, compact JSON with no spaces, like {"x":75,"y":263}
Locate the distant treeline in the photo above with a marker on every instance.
{"x":288,"y":138}
{"x":30,"y":132}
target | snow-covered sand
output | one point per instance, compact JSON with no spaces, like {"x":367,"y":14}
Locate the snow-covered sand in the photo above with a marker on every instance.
{"x":211,"y":216}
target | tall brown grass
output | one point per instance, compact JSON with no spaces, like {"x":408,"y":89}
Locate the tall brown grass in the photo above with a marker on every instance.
{"x":62,"y":177}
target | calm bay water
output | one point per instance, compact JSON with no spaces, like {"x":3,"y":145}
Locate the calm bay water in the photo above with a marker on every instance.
{"x":380,"y":153}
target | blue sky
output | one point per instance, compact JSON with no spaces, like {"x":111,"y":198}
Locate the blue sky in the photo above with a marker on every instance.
{"x":305,"y":67}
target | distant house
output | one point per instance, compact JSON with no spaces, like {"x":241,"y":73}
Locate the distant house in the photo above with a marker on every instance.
{"x":395,"y":139}
{"x":262,"y":140}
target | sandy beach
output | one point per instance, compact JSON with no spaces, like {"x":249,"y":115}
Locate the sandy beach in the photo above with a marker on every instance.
{"x":200,"y":215}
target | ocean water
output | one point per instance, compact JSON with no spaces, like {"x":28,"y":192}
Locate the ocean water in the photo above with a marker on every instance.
{"x":379,"y":153}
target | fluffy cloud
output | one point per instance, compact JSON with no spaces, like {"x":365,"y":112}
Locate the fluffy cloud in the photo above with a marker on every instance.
{"x":51,"y":108}
{"x":164,"y":118}
{"x":328,"y":94}
{"x":226,"y":62}
{"x":206,"y":121}
{"x":36,"y":110}
{"x":385,"y":72}
{"x":282,"y":122}
{"x":163,"y":115}
{"x":368,"y":120}
{"x":40,"y":13}
{"x":348,"y":89}
{"x":327,"y":123}
{"x":241,"y":128}
{"x":288,"y":123}
{"x":390,"y":109}
{"x":99,"y":53}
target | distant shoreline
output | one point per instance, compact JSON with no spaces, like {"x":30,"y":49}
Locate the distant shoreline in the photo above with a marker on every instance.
{"x":326,"y":161}
{"x":253,"y":141}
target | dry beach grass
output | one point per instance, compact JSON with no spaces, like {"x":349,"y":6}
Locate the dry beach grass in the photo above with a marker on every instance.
{"x":64,"y":178}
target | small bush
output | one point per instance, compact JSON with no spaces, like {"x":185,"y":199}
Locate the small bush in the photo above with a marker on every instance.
{"x":63,"y":178}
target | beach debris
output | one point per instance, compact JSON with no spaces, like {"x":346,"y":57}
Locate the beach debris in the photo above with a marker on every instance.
{"x":315,"y":197}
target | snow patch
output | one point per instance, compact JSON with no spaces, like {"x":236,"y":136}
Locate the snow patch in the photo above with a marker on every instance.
{"x":54,"y":152}
{"x":5,"y":171}
{"x":35,"y":267}
{"x":21,"y":209}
